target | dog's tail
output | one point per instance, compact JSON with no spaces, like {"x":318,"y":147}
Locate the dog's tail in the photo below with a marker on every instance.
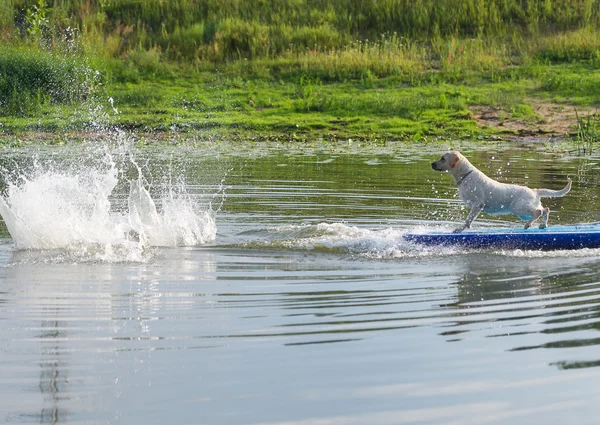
{"x":549,"y":193}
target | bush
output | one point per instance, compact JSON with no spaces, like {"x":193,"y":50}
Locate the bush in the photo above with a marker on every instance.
{"x":31,"y":78}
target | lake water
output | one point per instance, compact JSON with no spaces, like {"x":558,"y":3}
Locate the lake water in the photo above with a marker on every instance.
{"x":270,"y":284}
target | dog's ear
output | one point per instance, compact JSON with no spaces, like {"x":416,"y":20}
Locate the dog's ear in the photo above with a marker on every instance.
{"x":453,"y":160}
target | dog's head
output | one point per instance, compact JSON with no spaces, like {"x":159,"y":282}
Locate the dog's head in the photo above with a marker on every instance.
{"x":447,"y":162}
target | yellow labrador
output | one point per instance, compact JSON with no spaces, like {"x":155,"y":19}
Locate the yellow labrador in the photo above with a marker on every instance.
{"x":481,"y":193}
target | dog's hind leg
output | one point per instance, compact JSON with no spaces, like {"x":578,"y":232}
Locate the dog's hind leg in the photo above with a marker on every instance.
{"x":536,"y":215}
{"x":545,"y":215}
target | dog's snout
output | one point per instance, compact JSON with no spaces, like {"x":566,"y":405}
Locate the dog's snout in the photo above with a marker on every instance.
{"x":435,"y":166}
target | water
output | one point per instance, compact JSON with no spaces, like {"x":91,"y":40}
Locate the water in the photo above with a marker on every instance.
{"x":269,"y":284}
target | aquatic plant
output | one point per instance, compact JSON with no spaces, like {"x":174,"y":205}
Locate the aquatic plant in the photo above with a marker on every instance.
{"x":588,"y":132}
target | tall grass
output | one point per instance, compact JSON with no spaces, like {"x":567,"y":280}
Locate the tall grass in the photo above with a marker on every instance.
{"x":221,"y":30}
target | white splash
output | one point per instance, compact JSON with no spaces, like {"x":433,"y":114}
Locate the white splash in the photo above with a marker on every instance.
{"x":71,"y":211}
{"x":178,"y":224}
{"x":383,"y":243}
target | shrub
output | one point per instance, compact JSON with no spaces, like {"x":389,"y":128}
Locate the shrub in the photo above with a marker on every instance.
{"x":31,"y":78}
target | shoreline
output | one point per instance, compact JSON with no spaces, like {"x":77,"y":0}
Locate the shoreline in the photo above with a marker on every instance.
{"x":142,"y":139}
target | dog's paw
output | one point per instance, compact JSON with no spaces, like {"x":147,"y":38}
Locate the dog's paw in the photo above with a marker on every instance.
{"x":543,"y":226}
{"x":458,"y":229}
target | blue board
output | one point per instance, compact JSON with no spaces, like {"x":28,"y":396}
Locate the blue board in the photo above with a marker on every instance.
{"x":552,"y":238}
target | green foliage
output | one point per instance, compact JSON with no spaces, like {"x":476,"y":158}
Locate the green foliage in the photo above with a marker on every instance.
{"x":521,"y":111}
{"x":31,"y":78}
{"x":37,"y":19}
{"x":310,"y":97}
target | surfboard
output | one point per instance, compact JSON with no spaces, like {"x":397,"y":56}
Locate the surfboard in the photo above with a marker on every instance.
{"x":556,"y":237}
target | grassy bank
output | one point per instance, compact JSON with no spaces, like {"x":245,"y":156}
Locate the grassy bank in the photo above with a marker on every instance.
{"x":299,"y":68}
{"x":431,"y":105}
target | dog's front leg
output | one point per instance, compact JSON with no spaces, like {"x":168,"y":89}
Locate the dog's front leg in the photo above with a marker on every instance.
{"x":475,"y":210}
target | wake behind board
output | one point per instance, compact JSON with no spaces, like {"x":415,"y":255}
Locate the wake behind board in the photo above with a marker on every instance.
{"x":552,"y":238}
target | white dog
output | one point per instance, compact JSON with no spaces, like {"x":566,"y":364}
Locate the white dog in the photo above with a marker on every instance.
{"x":481,"y":193}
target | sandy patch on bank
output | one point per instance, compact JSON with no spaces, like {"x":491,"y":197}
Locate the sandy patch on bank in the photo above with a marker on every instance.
{"x":548,"y":119}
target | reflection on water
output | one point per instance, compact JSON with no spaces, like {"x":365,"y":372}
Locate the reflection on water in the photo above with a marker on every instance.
{"x":54,"y":375}
{"x":309,"y":308}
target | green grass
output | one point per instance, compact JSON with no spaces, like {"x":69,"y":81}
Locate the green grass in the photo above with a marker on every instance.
{"x":209,"y":104}
{"x":234,"y":100}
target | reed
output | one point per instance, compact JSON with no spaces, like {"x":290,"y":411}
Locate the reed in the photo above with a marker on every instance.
{"x":588,"y":132}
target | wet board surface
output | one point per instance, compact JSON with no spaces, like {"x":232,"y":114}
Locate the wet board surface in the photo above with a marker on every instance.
{"x":556,"y":237}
